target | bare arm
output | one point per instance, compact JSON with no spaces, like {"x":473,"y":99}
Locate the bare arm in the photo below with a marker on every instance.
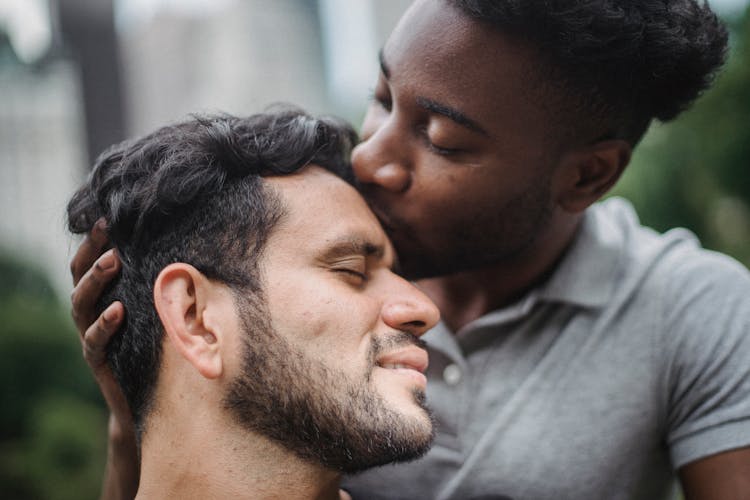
{"x":92,"y":270}
{"x":724,"y":476}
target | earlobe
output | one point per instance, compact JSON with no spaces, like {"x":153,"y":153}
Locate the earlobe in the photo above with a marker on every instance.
{"x":181,"y":296}
{"x":587,"y":174}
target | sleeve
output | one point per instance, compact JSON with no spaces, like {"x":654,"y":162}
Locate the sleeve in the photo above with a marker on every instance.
{"x":706,"y":330}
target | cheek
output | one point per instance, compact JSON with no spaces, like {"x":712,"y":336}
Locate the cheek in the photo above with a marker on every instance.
{"x":332,"y":328}
{"x":442,"y":190}
{"x":449,"y":199}
{"x":450,"y":186}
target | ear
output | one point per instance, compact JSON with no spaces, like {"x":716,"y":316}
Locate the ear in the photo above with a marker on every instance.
{"x":586,"y":174}
{"x":182,"y":296}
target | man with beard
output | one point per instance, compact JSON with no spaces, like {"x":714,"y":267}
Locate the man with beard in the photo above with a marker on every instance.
{"x":580,"y":355}
{"x":269,"y":346}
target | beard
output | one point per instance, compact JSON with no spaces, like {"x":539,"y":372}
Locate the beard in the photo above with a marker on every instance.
{"x":320,"y":413}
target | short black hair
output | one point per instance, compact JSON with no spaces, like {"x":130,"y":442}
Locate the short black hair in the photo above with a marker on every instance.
{"x":619,"y":63}
{"x":193,"y":192}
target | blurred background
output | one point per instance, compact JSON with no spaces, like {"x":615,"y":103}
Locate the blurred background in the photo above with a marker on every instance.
{"x":79,"y":75}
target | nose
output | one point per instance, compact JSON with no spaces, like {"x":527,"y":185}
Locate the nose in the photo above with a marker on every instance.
{"x":410,"y":311}
{"x":380,"y":161}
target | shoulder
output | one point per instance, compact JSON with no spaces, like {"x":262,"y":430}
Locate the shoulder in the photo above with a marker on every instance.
{"x":694,"y":302}
{"x":671,"y":267}
{"x":701,"y":287}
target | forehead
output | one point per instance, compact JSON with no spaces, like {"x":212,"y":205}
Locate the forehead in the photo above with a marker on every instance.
{"x":320,"y":209}
{"x":446,"y":39}
{"x":442,"y":52}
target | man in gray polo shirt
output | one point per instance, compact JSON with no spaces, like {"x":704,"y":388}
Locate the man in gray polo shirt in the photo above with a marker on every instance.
{"x":580,"y":356}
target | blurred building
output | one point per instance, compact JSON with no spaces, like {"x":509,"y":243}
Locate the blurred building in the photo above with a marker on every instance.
{"x":42,"y":144}
{"x":41,"y":152}
{"x":319,"y":54}
{"x":237,"y":59}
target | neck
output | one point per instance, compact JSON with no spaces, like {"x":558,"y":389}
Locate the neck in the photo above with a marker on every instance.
{"x":465,"y":296}
{"x":193,"y":458}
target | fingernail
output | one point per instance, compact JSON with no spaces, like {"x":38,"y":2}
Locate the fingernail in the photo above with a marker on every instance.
{"x":109,"y":315}
{"x":107,"y":261}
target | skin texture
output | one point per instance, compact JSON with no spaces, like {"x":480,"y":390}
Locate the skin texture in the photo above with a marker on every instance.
{"x":718,"y":477}
{"x":318,"y":355}
{"x":431,"y":198}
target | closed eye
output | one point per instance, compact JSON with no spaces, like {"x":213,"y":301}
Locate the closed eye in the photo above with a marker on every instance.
{"x":383,"y":102}
{"x":352,"y":275}
{"x":381,"y":94}
{"x":434,"y":148}
{"x":441,"y":151}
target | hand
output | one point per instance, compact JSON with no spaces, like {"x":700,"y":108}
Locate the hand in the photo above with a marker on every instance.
{"x":93,"y":268}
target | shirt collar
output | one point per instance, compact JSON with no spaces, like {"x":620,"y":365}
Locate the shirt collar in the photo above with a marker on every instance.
{"x":587,"y":274}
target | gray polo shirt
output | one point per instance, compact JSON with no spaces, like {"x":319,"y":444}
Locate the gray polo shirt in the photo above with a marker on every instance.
{"x":632,"y":360}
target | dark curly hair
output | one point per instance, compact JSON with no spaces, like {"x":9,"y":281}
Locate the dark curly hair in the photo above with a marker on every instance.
{"x":619,"y":63}
{"x":193,"y":192}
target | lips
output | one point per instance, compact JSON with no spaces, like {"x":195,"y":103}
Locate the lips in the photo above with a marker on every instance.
{"x":401,"y":233}
{"x":410,"y":358}
{"x":378,"y":205}
{"x":384,"y":219}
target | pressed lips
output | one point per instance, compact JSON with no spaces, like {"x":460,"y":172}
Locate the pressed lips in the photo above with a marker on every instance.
{"x":411,"y":361}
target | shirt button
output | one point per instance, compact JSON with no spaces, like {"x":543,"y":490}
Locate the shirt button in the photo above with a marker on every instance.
{"x":452,"y":374}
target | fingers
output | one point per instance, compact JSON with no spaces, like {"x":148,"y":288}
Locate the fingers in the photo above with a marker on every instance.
{"x":90,"y":287}
{"x":93,"y":269}
{"x":98,"y":335}
{"x":95,"y":341}
{"x":92,"y":246}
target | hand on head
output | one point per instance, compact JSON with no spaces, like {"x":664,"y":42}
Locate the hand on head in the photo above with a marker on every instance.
{"x":93,"y":267}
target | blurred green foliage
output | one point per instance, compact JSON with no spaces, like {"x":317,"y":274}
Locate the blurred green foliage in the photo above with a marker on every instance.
{"x":695,"y":172}
{"x":52,"y":422}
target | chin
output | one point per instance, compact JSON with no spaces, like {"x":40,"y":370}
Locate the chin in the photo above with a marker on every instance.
{"x":400,"y":429}
{"x":412,"y":407}
{"x":404,"y":399}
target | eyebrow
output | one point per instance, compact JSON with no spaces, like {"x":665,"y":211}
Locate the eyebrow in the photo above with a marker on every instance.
{"x":435,"y":107}
{"x":452,"y":113}
{"x":354,"y":246}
